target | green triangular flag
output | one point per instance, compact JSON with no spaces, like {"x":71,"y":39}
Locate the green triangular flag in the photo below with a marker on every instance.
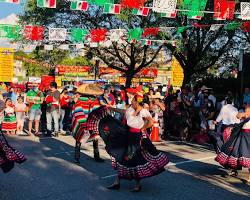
{"x":135,"y":34}
{"x":78,"y":34}
{"x":182,"y":29}
{"x":233,"y":26}
{"x":10,"y":31}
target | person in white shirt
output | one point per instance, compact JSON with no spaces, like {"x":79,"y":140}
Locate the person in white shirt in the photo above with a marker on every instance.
{"x":228,"y":114}
{"x":141,"y":154}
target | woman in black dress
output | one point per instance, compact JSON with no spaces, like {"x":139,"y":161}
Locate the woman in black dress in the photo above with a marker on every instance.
{"x":132,"y":153}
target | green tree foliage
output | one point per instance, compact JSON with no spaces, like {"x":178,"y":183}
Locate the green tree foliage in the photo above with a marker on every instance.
{"x":198,"y":48}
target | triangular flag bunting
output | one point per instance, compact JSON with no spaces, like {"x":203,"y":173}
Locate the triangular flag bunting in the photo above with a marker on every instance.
{"x":112,"y":9}
{"x":245,"y":10}
{"x":134,"y":34}
{"x":233,"y":26}
{"x":33,"y":32}
{"x":46,"y":3}
{"x":142,"y":11}
{"x":98,"y":35}
{"x":133,"y":3}
{"x":195,"y":8}
{"x":164,"y":6}
{"x":246,"y":26}
{"x":78,"y":34}
{"x":79,"y":5}
{"x":11,"y":1}
{"x":215,"y":27}
{"x":57,"y":34}
{"x":101,"y":2}
{"x":181,"y":29}
{"x":224,"y":9}
{"x":169,"y":15}
{"x":64,"y":47}
{"x":147,"y":42}
{"x":48,"y":47}
{"x":150,"y":32}
{"x":9,"y":31}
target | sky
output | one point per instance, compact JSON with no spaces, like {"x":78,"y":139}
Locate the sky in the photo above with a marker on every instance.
{"x":9,"y":8}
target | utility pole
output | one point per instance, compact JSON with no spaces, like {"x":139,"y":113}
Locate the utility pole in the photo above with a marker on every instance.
{"x":241,"y":73}
{"x":97,"y":62}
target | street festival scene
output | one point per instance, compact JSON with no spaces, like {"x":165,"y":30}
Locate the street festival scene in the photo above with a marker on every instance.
{"x":126,"y":99}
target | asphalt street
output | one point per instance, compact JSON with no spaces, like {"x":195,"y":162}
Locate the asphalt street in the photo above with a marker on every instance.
{"x":49,"y":173}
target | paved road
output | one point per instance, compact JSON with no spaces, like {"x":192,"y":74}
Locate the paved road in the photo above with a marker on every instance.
{"x":50,"y":174}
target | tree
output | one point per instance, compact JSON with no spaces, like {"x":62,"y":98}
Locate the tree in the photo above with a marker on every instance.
{"x":198,"y":47}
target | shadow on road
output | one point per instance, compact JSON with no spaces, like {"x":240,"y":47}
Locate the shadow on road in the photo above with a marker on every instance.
{"x":49,"y":174}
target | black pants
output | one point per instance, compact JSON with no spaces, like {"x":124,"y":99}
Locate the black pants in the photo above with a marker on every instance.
{"x":78,"y":150}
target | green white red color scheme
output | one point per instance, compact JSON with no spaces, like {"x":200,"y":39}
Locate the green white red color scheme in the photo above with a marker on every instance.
{"x":11,"y":1}
{"x":143,"y":11}
{"x":112,"y":9}
{"x":147,"y":42}
{"x":169,"y":15}
{"x":79,"y":5}
{"x":46,"y":3}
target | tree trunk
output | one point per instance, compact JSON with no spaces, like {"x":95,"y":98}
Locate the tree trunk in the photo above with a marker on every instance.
{"x":187,"y":77}
{"x":129,"y":78}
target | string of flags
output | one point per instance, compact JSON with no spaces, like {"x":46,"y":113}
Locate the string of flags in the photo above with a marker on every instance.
{"x":193,"y":9}
{"x":102,"y":35}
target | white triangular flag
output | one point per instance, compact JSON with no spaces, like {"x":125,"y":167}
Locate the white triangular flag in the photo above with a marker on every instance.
{"x":64,"y":47}
{"x":57,"y":34}
{"x":48,"y":47}
{"x":93,"y":44}
{"x":215,"y":27}
{"x":80,"y":46}
{"x":245,"y":10}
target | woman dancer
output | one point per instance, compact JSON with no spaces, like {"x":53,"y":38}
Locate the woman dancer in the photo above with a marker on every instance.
{"x":132,"y":153}
{"x":235,"y":153}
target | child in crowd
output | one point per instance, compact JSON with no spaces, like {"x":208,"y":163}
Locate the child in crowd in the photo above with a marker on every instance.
{"x":9,"y":122}
{"x":20,"y":114}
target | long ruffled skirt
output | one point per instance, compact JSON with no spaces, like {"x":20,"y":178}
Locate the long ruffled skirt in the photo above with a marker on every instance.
{"x":8,"y":155}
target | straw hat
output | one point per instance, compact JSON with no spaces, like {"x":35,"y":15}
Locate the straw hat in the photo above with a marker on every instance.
{"x":157,"y":96}
{"x":89,"y":89}
{"x":205,"y":88}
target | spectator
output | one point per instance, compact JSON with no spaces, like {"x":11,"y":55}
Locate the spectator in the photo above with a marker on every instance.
{"x":157,"y":108}
{"x":20,"y":114}
{"x":107,"y":99}
{"x":12,"y":95}
{"x":9,"y":121}
{"x":34,"y":99}
{"x":53,"y":109}
{"x":212,"y":97}
{"x":246,"y":96}
{"x":228,"y":115}
{"x":64,"y":103}
{"x":2,"y":107}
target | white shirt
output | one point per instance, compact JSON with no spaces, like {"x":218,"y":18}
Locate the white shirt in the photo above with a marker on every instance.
{"x":136,"y":121}
{"x":228,"y":115}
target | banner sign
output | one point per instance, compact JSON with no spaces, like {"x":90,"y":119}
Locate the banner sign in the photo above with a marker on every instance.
{"x":72,"y":71}
{"x":6,"y":64}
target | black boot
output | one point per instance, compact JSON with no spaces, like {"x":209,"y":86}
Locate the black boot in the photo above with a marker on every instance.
{"x":96,"y":152}
{"x":77,"y":152}
{"x":56,"y":133}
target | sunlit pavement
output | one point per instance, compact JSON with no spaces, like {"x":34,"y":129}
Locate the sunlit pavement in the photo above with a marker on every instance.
{"x":49,"y":173}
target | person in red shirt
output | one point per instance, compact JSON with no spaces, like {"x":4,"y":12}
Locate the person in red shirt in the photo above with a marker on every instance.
{"x":64,"y":104}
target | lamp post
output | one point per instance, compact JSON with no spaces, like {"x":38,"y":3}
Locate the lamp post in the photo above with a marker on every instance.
{"x":96,"y":69}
